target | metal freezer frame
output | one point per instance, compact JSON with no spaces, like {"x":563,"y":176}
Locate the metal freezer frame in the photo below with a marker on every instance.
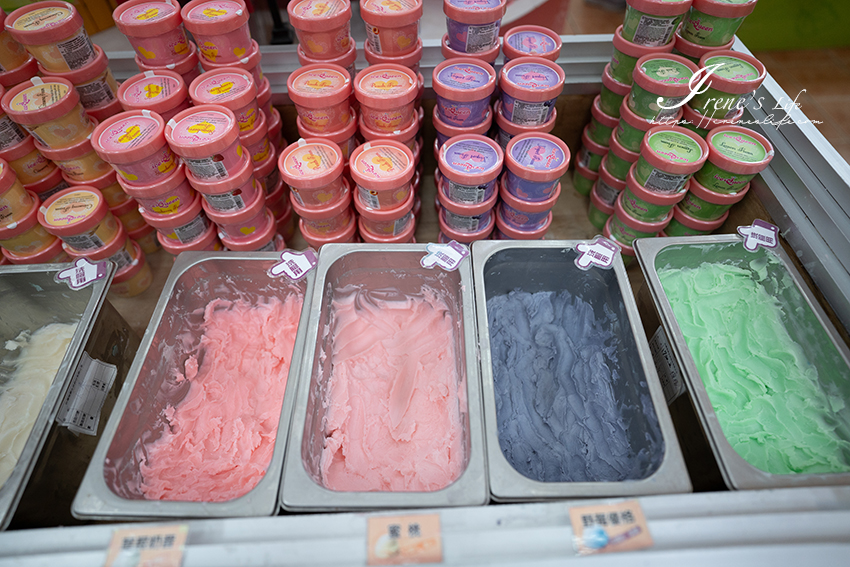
{"x":506,"y":483}
{"x":736,"y":472}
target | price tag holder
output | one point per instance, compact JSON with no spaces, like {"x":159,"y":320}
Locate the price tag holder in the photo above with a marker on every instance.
{"x":446,"y":256}
{"x":82,"y":274}
{"x":760,"y":233}
{"x":294,"y":265}
{"x":162,"y":546}
{"x":402,"y":540}
{"x":600,"y":252}
{"x":608,"y":528}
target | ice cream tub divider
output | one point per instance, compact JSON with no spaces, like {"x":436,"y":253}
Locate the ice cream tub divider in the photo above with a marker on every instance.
{"x":49,"y":468}
{"x":604,"y":298}
{"x":797,"y":316}
{"x":362,"y":270}
{"x":112,"y":487}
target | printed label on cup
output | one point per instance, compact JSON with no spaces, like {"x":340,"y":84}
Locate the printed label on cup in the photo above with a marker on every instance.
{"x":447,"y":256}
{"x":599,"y":252}
{"x":294,"y":265}
{"x":82,"y":274}
{"x":760,"y":233}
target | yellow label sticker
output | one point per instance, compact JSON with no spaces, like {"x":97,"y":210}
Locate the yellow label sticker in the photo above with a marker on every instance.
{"x":148,"y":14}
{"x":41,"y":19}
{"x":223,"y":88}
{"x":201,"y":128}
{"x":214,"y":12}
{"x":130,"y":134}
{"x":608,"y":528}
{"x":152,"y":91}
{"x":397,"y":540}
{"x":155,"y":545}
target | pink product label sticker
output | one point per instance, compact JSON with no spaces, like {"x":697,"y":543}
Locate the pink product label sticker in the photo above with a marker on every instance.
{"x":148,"y":12}
{"x":389,"y":6}
{"x":531,"y":42}
{"x":387,"y":83}
{"x":294,"y":265}
{"x":82,"y":274}
{"x":222,"y":87}
{"x":318,"y":9}
{"x":201,"y":127}
{"x":320,"y":81}
{"x":533,"y":76}
{"x":381,"y":162}
{"x":214,"y":11}
{"x":472,"y":156}
{"x":539,"y":154}
{"x":151,"y":89}
{"x":464,"y":77}
{"x":128,"y":134}
{"x":446,"y":256}
{"x":760,"y":233}
{"x":599,"y":252}
{"x":475,"y":5}
{"x":310,"y":160}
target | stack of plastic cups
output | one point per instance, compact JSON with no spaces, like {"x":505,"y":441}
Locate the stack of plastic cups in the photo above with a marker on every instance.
{"x":661,"y":83}
{"x":384,"y":196}
{"x":473,"y":29}
{"x":53,"y":33}
{"x":16,"y":205}
{"x":535,"y":163}
{"x":714,"y":23}
{"x":530,"y":87}
{"x":468,"y":190}
{"x":220,"y":28}
{"x":14,"y":58}
{"x":653,"y":23}
{"x":392,"y":32}
{"x":79,"y":162}
{"x":95,"y":84}
{"x":602,"y":125}
{"x":693,"y":51}
{"x":463,"y":87}
{"x":163,"y":92}
{"x":531,"y":41}
{"x":604,"y":194}
{"x":732,"y":81}
{"x":626,"y":55}
{"x":60,"y":127}
{"x":312,"y":168}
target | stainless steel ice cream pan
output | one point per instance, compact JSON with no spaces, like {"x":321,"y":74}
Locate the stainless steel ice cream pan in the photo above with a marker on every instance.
{"x":31,"y":299}
{"x":801,"y":323}
{"x":112,"y":487}
{"x":389,"y":275}
{"x":544,"y":382}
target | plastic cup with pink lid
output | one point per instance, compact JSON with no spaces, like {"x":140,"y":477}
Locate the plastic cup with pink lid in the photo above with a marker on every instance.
{"x":231,"y":88}
{"x":80,"y":217}
{"x":734,"y":77}
{"x":54,"y":33}
{"x":163,"y":92}
{"x":601,"y":125}
{"x":465,"y":217}
{"x":186,"y":225}
{"x":312,"y":168}
{"x":507,"y":130}
{"x":50,"y":110}
{"x":531,"y":41}
{"x":383,"y":223}
{"x":627,"y":253}
{"x":146,"y":238}
{"x":715,"y":22}
{"x":407,"y":136}
{"x":27,"y":162}
{"x":694,"y":51}
{"x":166,"y":196}
{"x":386,"y":94}
{"x":250,"y":62}
{"x":447,"y":233}
{"x":12,"y":133}
{"x":383,"y":171}
{"x":702,"y":204}
{"x":392,"y":26}
{"x":79,"y":162}
{"x":683,"y":224}
{"x":187,"y":67}
{"x":653,"y":22}
{"x":207,"y":241}
{"x":256,"y":142}
{"x":154,"y":28}
{"x":321,"y":96}
{"x":669,"y":156}
{"x":598,"y":211}
{"x":626,"y":55}
{"x":15,"y":202}
{"x":661,"y":84}
{"x":345,"y":138}
{"x":346,"y":60}
{"x":134,"y":144}
{"x":608,"y":187}
{"x":323,"y":27}
{"x":25,"y":235}
{"x":236,"y":224}
{"x":206,"y":137}
{"x":231,"y":194}
{"x":107,"y":184}
{"x":613,"y":93}
{"x":735,"y":156}
{"x":266,"y":172}
{"x":470,"y":166}
{"x":463,"y":87}
{"x":17,"y":75}
{"x":264,"y":98}
{"x":410,"y":60}
{"x":446,"y":131}
{"x":505,"y":231}
{"x":535,"y":163}
{"x":128,"y":214}
{"x":319,"y":239}
{"x":12,"y":53}
{"x":524,"y":215}
{"x":529,"y":89}
{"x":473,"y":25}
{"x":702,"y":125}
{"x":632,"y":128}
{"x":403,"y":237}
{"x":626,"y":229}
{"x":329,"y":218}
{"x":263,"y":239}
{"x":220,"y":28}
{"x":53,"y":254}
{"x":646,"y":205}
{"x":488,"y":56}
{"x":55,"y":182}
{"x":584,"y":178}
{"x":94,"y":82}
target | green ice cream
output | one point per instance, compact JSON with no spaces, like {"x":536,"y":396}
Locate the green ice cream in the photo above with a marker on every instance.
{"x":775,"y":380}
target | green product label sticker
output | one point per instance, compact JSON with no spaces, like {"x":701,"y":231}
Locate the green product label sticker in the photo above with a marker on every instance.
{"x":737,"y":1}
{"x":739,"y":147}
{"x":667,"y":71}
{"x":675,"y":147}
{"x":733,"y":68}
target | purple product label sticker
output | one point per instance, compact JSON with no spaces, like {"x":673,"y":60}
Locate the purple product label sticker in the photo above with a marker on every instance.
{"x":447,"y":256}
{"x":531,"y":42}
{"x":475,"y":5}
{"x":538,"y":153}
{"x":465,"y":77}
{"x":471,"y":156}
{"x":598,"y":252}
{"x":533,"y":76}
{"x":760,"y":233}
{"x":82,"y":274}
{"x":294,"y":265}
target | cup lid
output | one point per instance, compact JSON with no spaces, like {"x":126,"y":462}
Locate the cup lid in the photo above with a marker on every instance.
{"x":318,"y":15}
{"x":697,"y":189}
{"x":661,"y":7}
{"x":202,"y":131}
{"x":471,"y":159}
{"x":256,"y":239}
{"x":517,"y":129}
{"x":589,"y":144}
{"x":237,"y":216}
{"x":75,"y":150}
{"x":608,"y":179}
{"x":44,"y":22}
{"x":107,"y":179}
{"x":478,"y":12}
{"x":327,"y":210}
{"x":230,"y":87}
{"x":182,"y":67}
{"x":600,"y":116}
{"x":537,"y":157}
{"x":488,"y":56}
{"x":665,"y":74}
{"x":404,"y":135}
{"x":613,"y":84}
{"x":23,"y":224}
{"x":532,"y":79}
{"x":19,"y":150}
{"x":739,"y":150}
{"x":652,"y":197}
{"x":243,"y":174}
{"x":465,"y":237}
{"x":465,"y":209}
{"x":643,"y":124}
{"x":379,"y":215}
{"x":153,"y":189}
{"x":386,"y":86}
{"x":17,"y":76}
{"x":246,"y":63}
{"x":38,"y":100}
{"x":159,"y":91}
{"x":531,"y":41}
{"x":319,"y":86}
{"x":381,"y":165}
{"x":402,"y":237}
{"x":639,"y":225}
{"x":316,"y":240}
{"x":147,"y":18}
{"x":83,"y":74}
{"x":696,"y":50}
{"x":725,"y":8}
{"x":393,"y":14}
{"x":407,"y":60}
{"x":597,"y":201}
{"x":129,"y":136}
{"x":698,"y":224}
{"x":517,"y":234}
{"x":175,"y":247}
{"x":43,"y":256}
{"x":674,"y":150}
{"x":616,"y":148}
{"x":182,"y":217}
{"x":345,"y":60}
{"x":310,"y":163}
{"x":450,"y":130}
{"x":528,"y":206}
{"x":72,"y":211}
{"x":464,"y":79}
{"x":337,"y":136}
{"x":734,"y":73}
{"x":625,"y":249}
{"x":214,"y":17}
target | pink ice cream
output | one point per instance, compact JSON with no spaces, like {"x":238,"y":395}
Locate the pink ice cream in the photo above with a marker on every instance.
{"x":393,"y":398}
{"x":220,"y":438}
